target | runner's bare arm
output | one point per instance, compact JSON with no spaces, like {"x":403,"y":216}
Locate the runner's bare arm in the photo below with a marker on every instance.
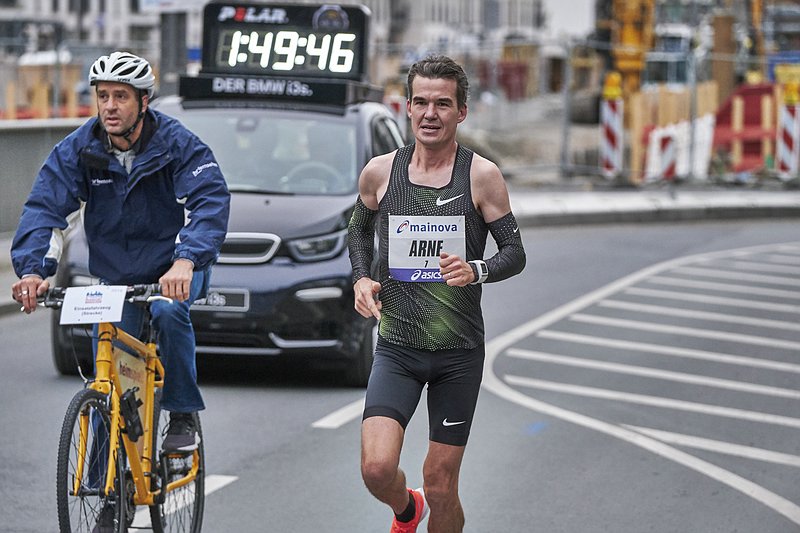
{"x":489,"y":191}
{"x":374,"y":180}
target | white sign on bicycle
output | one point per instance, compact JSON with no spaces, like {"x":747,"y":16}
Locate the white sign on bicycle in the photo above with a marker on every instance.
{"x":93,"y":304}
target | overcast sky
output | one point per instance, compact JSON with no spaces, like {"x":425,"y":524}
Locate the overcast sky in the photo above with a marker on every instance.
{"x":573,"y":17}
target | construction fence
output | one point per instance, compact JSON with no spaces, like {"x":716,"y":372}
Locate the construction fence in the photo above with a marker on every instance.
{"x":538,"y":108}
{"x":676,"y":133}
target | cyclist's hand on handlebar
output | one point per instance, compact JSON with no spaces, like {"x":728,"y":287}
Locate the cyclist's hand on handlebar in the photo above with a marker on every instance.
{"x":26,"y":290}
{"x":176,"y":282}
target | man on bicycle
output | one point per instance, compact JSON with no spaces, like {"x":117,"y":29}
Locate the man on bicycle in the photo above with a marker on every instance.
{"x":155,"y":209}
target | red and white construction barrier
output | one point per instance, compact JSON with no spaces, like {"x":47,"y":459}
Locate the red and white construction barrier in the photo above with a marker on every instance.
{"x":668,"y":157}
{"x":788,"y":142}
{"x":669,"y":150}
{"x":611,"y":137}
{"x":662,"y":154}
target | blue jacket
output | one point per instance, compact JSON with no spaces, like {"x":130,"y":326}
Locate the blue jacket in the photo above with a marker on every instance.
{"x":173,"y":204}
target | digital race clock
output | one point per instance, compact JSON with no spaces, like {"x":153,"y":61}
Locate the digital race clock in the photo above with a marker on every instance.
{"x":320,"y":41}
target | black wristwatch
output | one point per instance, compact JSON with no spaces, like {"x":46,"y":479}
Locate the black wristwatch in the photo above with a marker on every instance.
{"x":480,"y":270}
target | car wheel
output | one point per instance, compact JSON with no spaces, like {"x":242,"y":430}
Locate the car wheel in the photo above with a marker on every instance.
{"x":357,"y":374}
{"x":63,"y":351}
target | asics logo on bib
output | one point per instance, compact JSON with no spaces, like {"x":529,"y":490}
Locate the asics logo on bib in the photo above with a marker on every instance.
{"x":440,"y":202}
{"x":420,"y":274}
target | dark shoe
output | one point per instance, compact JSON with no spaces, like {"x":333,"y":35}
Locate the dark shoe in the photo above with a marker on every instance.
{"x":182,"y":434}
{"x":105,"y":520}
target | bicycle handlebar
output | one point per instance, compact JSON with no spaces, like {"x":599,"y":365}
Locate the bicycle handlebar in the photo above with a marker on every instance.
{"x":139,"y":293}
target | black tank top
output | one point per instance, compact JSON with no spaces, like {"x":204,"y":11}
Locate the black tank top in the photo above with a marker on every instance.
{"x":431,"y":316}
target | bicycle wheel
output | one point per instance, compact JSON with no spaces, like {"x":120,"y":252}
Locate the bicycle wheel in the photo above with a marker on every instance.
{"x":82,"y":465}
{"x":182,"y":509}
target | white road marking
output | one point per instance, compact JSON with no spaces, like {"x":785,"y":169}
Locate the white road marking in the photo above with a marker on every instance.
{"x":632,"y":370}
{"x":715,"y":300}
{"x":341,"y":416}
{"x":673,"y":351}
{"x":784,"y":259}
{"x":700,"y":315}
{"x":725,"y":287}
{"x":738,"y":276}
{"x":761,"y":267}
{"x":717,"y":446}
{"x":494,"y":384}
{"x":654,"y":401}
{"x":690,"y":332}
{"x":789,"y":248}
{"x":218,"y":481}
{"x":212,"y":484}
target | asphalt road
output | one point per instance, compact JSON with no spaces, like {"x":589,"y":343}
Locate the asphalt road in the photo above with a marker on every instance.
{"x":638,"y":378}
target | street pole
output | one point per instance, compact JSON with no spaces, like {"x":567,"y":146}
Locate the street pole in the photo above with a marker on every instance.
{"x":173,"y":51}
{"x":566,"y":167}
{"x":57,"y":81}
{"x":691,"y":69}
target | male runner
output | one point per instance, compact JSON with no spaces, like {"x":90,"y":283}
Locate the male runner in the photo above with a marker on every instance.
{"x":435,"y":203}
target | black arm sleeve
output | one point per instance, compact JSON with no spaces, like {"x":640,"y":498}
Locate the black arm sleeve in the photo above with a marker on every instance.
{"x":510,"y":257}
{"x":361,"y":239}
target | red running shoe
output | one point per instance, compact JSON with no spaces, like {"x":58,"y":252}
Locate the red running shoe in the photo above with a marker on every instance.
{"x":420,"y":512}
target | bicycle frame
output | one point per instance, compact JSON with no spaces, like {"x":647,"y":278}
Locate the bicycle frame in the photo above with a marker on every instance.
{"x":109,"y":382}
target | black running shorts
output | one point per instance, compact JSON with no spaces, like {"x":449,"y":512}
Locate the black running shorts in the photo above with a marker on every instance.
{"x":454,"y":380}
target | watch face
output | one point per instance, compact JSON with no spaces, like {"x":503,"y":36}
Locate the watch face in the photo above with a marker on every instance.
{"x":321,"y":41}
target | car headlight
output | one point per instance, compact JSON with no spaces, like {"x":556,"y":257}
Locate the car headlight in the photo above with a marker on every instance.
{"x":318,"y":248}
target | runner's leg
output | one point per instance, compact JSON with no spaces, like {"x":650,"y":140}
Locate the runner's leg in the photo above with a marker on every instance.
{"x":393,"y":393}
{"x":440,"y":472}
{"x":452,"y":397}
{"x":381,"y":442}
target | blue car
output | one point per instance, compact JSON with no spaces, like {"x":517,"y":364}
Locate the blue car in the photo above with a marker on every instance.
{"x":282,"y":287}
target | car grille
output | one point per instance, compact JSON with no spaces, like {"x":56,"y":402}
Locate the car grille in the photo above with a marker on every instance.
{"x":248,"y":248}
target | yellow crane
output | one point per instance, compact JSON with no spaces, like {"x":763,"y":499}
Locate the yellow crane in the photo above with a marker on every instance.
{"x":631,"y":38}
{"x":756,"y":35}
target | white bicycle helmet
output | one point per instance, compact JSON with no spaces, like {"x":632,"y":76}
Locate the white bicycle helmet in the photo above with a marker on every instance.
{"x":124,"y":67}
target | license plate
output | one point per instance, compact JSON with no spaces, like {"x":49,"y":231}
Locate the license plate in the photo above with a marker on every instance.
{"x":224,"y":300}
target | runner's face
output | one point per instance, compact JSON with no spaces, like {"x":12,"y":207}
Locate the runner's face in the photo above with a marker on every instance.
{"x":434,"y":110}
{"x":118,"y":107}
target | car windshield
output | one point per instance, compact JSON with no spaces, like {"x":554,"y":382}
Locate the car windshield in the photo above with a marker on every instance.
{"x":280,"y":152}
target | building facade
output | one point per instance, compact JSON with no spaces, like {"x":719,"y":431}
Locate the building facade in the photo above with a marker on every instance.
{"x":168,"y":33}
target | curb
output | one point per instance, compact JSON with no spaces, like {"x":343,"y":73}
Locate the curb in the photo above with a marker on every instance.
{"x":686,"y":214}
{"x":533,"y":208}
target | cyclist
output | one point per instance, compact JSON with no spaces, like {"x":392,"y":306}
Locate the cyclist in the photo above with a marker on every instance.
{"x":155,"y":209}
{"x":429,"y":332}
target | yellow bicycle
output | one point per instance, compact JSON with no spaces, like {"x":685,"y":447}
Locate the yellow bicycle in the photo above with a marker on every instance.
{"x":109,"y":456}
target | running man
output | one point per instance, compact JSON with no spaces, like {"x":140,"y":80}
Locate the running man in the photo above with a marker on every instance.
{"x":435,"y":202}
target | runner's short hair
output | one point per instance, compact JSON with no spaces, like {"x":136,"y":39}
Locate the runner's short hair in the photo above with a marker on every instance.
{"x":438,"y":67}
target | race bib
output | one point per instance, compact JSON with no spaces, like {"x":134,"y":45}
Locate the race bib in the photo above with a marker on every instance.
{"x":92,"y":305}
{"x":415,"y":243}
